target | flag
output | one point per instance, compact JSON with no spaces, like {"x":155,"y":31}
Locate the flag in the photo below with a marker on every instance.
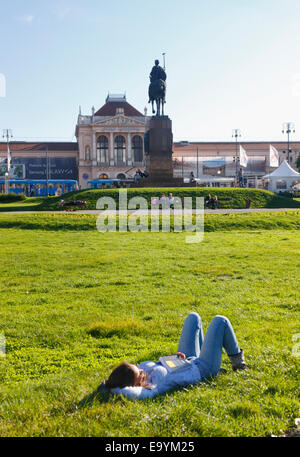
{"x":243,"y":157}
{"x":274,"y":157}
{"x":8,"y":158}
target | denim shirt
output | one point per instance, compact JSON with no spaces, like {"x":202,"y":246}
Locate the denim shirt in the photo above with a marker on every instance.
{"x":161,"y":380}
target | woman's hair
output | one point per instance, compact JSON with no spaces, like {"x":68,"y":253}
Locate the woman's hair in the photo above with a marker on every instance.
{"x":122,"y":376}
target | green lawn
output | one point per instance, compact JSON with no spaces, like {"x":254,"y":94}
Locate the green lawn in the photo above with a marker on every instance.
{"x":75,"y":302}
{"x":29,"y":204}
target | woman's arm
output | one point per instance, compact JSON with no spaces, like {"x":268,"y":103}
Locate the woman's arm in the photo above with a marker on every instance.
{"x":180,"y":354}
{"x":135,"y":392}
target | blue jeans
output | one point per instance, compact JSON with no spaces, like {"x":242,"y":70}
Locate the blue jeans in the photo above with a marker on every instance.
{"x":207,"y":352}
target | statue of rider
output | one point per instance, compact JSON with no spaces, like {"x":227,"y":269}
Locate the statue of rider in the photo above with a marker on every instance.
{"x":157,"y":72}
{"x":157,"y":88}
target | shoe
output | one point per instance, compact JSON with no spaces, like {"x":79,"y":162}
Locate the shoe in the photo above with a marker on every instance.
{"x":222,"y":371}
{"x":238,"y":361}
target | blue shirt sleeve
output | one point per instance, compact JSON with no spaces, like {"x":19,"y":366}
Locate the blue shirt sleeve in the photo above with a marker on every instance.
{"x":136,"y":392}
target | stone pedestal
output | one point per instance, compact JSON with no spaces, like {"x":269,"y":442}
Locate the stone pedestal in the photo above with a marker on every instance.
{"x":159,"y":153}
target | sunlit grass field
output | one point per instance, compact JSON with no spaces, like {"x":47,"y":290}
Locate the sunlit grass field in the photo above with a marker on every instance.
{"x":75,"y":302}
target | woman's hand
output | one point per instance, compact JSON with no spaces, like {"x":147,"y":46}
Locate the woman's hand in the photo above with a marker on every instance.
{"x":181,"y":354}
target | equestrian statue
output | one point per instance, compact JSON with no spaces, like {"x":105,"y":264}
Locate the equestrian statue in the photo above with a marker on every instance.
{"x":157,"y":88}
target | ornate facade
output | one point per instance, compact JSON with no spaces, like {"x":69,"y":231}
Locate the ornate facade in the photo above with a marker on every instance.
{"x":110,"y":141}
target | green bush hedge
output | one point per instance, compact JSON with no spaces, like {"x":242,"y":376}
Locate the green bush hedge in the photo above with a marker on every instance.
{"x":259,"y":198}
{"x":10,"y":198}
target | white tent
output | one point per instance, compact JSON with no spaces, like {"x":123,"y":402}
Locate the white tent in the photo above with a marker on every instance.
{"x":283,"y":178}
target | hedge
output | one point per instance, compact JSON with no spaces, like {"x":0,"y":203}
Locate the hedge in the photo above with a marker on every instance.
{"x":10,"y":198}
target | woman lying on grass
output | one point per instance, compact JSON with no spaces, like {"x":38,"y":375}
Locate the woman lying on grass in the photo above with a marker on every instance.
{"x":202,"y":359}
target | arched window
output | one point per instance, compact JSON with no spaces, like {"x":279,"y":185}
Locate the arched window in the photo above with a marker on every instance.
{"x":87,"y":155}
{"x":137,"y":146}
{"x":121,"y":176}
{"x":120,"y":150}
{"x":103,"y":176}
{"x":102,"y":149}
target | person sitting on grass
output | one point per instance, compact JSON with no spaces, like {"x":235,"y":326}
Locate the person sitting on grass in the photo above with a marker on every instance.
{"x":164,"y":201}
{"x":171,"y":200}
{"x":202,"y":356}
{"x":215,"y":203}
{"x":208,"y":200}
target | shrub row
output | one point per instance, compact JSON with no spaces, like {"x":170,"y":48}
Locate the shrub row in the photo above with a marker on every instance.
{"x":10,"y":198}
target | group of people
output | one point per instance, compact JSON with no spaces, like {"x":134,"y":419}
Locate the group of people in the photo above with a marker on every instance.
{"x":119,"y":185}
{"x":169,"y":202}
{"x":211,"y":201}
{"x":164,"y":201}
{"x":140,"y":174}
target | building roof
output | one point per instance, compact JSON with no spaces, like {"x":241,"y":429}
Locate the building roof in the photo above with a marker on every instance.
{"x":191,"y":144}
{"x":39,"y":146}
{"x":116,"y":98}
{"x":253,"y":148}
{"x":114,"y":101}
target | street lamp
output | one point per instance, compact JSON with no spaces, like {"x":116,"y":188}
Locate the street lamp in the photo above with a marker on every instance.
{"x":6,"y":190}
{"x":288,"y":128}
{"x":236,"y":133}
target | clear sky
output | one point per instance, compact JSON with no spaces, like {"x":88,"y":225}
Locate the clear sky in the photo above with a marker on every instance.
{"x":230,"y":64}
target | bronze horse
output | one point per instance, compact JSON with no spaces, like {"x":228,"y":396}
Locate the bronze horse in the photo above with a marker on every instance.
{"x":157,"y":94}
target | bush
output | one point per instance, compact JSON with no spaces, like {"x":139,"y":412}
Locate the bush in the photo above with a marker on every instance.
{"x":10,"y":198}
{"x":286,"y":193}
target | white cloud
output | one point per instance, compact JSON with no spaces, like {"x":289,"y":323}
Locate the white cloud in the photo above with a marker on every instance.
{"x":26,"y":19}
{"x":62,"y":11}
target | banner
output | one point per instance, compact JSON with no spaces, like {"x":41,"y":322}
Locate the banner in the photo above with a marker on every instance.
{"x":274,"y":157}
{"x":58,"y":167}
{"x":243,"y":157}
{"x":16,"y":171}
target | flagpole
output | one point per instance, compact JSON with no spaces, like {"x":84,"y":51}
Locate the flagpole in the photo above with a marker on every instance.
{"x":47,"y":172}
{"x":163,"y":54}
{"x":288,"y":127}
{"x":197,"y":163}
{"x":236,"y":133}
{"x":7,"y":133}
{"x":236,"y":162}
